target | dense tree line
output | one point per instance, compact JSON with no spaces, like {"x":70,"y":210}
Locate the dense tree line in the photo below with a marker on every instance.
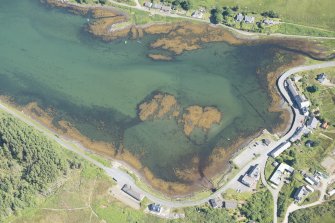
{"x":28,"y":164}
{"x":184,"y":4}
{"x":270,"y":14}
{"x":259,"y":207}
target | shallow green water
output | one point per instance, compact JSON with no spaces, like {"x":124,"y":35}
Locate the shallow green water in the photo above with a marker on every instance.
{"x":47,"y":57}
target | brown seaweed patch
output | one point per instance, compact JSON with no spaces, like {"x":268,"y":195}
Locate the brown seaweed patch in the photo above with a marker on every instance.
{"x":199,"y":117}
{"x":158,"y":107}
{"x":171,"y":188}
{"x":189,"y":36}
{"x":176,"y":45}
{"x":159,"y":57}
{"x":159,"y":28}
{"x":73,"y":8}
{"x":64,"y":128}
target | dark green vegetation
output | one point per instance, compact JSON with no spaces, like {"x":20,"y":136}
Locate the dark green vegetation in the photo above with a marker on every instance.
{"x":184,"y":4}
{"x":324,"y":213}
{"x":228,"y":15}
{"x":312,"y":89}
{"x":29,"y":164}
{"x":259,"y":207}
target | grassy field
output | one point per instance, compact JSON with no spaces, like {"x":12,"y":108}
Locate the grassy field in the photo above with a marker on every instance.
{"x":269,"y":168}
{"x":305,"y":12}
{"x":84,"y":198}
{"x":294,"y":29}
{"x":231,"y":194}
{"x":324,"y":213}
{"x":324,"y":97}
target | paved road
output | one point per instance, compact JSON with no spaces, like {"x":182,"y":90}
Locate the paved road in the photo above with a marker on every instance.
{"x":138,"y":6}
{"x":142,"y":8}
{"x":122,"y":177}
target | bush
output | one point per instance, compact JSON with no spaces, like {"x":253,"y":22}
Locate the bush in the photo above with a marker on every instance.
{"x":259,"y":207}
{"x":270,"y":14}
{"x":312,"y":89}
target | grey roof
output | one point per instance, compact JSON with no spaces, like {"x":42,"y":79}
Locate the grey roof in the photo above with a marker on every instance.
{"x":312,"y":123}
{"x":322,"y":77}
{"x":252,"y":176}
{"x":148,"y":4}
{"x":157,"y":6}
{"x":128,"y":190}
{"x":266,"y":141}
{"x":213,"y":203}
{"x":239,"y":17}
{"x":166,"y":8}
{"x":249,"y":19}
{"x":300,"y":193}
{"x":268,"y":21}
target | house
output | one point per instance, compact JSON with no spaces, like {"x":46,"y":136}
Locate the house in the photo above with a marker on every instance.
{"x":155,"y":207}
{"x":249,"y":19}
{"x":128,"y":190}
{"x":321,"y":78}
{"x":148,"y":4}
{"x":300,"y":194}
{"x":213,"y":203}
{"x":279,"y":172}
{"x":266,"y":142}
{"x":156,"y":6}
{"x":166,"y":8}
{"x":230,"y":204}
{"x":312,"y":123}
{"x":279,"y":149}
{"x":308,"y":180}
{"x":198,"y":14}
{"x":268,"y":21}
{"x":252,"y":176}
{"x":239,"y":17}
{"x":300,"y":100}
{"x":312,"y":180}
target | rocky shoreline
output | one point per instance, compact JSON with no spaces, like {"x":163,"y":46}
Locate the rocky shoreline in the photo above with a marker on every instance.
{"x":110,"y":24}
